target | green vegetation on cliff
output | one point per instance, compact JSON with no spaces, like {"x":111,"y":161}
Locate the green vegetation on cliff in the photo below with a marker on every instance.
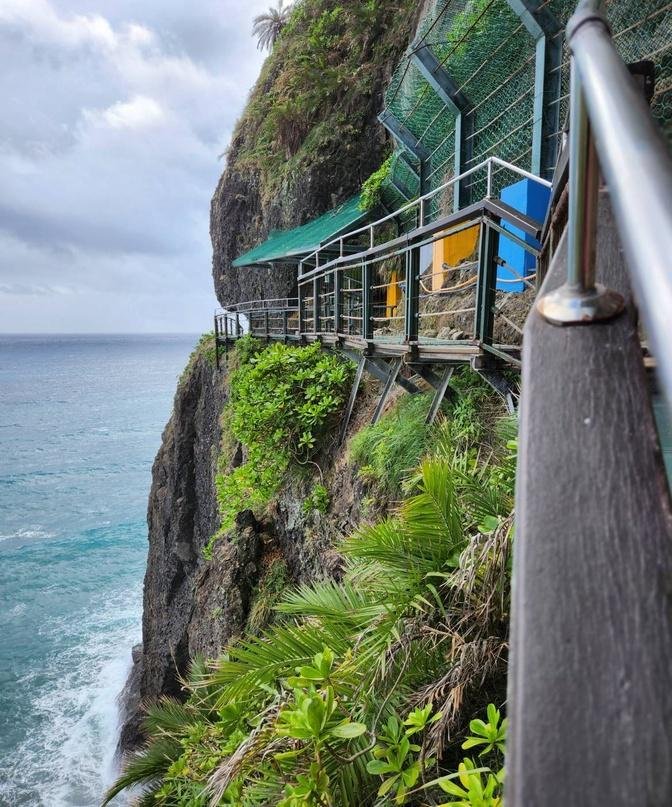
{"x":314,"y":93}
{"x":283,"y":401}
{"x":361,"y":690}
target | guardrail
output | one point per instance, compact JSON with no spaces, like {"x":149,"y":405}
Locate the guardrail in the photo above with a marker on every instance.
{"x":590,"y":667}
{"x":419,"y":210}
{"x":384,"y":296}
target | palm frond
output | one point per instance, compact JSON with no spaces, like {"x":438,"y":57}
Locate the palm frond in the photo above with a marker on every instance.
{"x":146,"y":766}
{"x":255,"y":664}
{"x":169,"y":716}
{"x":345,"y":603}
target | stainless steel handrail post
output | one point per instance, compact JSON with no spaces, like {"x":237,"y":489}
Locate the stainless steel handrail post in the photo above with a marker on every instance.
{"x":580,"y":300}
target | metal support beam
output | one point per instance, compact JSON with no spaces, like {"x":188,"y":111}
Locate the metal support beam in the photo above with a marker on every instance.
{"x":404,"y":135}
{"x":448,"y":90}
{"x":439,"y":394}
{"x":485,"y":290}
{"x":316,"y":307}
{"x":379,"y":370}
{"x":395,"y":366}
{"x":501,"y":386}
{"x":412,"y":292}
{"x":338,"y":279}
{"x":544,"y":28}
{"x":353,"y":397}
{"x":367,"y":302}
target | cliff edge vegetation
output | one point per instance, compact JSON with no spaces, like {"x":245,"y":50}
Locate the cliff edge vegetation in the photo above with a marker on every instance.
{"x":366,"y":682}
{"x":309,"y":136}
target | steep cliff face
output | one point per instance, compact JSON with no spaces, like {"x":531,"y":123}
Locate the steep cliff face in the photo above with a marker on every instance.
{"x":309,"y":136}
{"x":194,"y":606}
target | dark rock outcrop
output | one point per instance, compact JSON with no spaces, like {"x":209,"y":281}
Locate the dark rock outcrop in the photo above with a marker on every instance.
{"x":193,"y":606}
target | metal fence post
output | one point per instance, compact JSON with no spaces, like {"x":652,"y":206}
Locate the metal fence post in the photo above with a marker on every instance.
{"x":412,"y":294}
{"x":580,"y":300}
{"x":367,"y":302}
{"x":316,"y":306}
{"x":337,"y":301}
{"x":485,"y":290}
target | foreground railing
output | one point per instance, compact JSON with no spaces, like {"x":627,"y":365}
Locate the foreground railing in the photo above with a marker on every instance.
{"x":591,"y":630}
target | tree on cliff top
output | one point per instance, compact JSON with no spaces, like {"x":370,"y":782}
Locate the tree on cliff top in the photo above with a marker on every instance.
{"x":268,"y":26}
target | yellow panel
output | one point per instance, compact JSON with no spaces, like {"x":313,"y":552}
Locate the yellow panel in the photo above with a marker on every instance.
{"x":393,"y":295}
{"x":452,"y":250}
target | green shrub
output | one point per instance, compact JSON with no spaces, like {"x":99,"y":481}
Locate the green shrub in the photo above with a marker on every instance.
{"x":283,"y":401}
{"x":372,"y":188}
{"x":388,"y":451}
{"x":318,"y":499}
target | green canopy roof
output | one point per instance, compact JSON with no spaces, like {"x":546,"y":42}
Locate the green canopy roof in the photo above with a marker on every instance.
{"x":292,"y":245}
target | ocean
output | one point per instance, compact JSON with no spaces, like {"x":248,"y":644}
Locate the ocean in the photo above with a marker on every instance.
{"x":80,"y":423}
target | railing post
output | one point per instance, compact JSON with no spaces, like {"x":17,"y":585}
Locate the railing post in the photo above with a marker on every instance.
{"x":316,"y":307}
{"x":216,"y":342}
{"x":580,"y":300}
{"x":301,"y":315}
{"x":367,"y":302}
{"x":411,"y":323}
{"x":337,"y":301}
{"x":266,"y":331}
{"x":485,"y":290}
{"x":237,"y":325}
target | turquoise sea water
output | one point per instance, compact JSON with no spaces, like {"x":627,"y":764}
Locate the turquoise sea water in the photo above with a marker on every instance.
{"x":80,"y":423}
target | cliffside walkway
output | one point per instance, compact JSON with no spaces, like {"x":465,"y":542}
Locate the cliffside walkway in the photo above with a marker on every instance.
{"x":591,"y":628}
{"x":367,"y":295}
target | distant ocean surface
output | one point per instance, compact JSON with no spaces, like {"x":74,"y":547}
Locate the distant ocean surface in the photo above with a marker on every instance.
{"x":80,"y":423}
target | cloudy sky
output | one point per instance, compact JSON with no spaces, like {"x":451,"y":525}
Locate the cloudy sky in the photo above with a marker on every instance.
{"x":112,"y":117}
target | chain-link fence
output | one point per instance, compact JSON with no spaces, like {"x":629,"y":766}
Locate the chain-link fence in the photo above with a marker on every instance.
{"x":489,"y":58}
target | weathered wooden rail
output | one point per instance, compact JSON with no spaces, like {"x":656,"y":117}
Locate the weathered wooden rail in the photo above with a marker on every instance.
{"x":591,"y":647}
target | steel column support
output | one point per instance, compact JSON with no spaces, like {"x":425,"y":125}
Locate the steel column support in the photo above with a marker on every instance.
{"x":412,"y":293}
{"x":439,"y":395}
{"x":485,"y":290}
{"x":353,"y":397}
{"x":395,"y":366}
{"x":367,"y":302}
{"x":316,"y":307}
{"x":337,"y":301}
{"x":544,"y":28}
{"x":447,"y":89}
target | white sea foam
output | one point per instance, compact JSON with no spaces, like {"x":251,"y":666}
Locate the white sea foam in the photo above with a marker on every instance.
{"x":34,"y":534}
{"x":68,"y":761}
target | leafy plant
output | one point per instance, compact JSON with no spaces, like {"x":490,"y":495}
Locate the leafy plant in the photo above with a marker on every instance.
{"x":283,"y":400}
{"x":490,"y":735}
{"x":372,"y":187}
{"x":317,"y":500}
{"x":349,"y":699}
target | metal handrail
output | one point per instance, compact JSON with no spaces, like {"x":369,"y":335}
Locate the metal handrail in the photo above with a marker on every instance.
{"x":419,"y":203}
{"x":637,"y":166}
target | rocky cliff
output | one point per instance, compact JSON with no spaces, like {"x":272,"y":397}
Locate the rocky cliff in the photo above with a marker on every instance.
{"x":309,"y":136}
{"x":306,"y":141}
{"x":194,"y":606}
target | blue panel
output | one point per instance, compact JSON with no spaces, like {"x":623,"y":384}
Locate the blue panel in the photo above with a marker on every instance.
{"x":531,"y":198}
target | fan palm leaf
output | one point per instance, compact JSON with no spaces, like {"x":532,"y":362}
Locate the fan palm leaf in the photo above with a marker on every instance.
{"x":147,"y":766}
{"x":268,"y":26}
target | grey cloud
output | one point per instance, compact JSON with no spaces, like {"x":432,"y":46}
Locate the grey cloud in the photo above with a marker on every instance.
{"x":110,"y":127}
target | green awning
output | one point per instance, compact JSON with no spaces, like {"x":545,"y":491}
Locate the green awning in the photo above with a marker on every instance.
{"x":292,"y":245}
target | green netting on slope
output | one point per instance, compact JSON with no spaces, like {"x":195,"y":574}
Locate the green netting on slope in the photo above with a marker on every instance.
{"x":642,"y":30}
{"x":491,"y":57}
